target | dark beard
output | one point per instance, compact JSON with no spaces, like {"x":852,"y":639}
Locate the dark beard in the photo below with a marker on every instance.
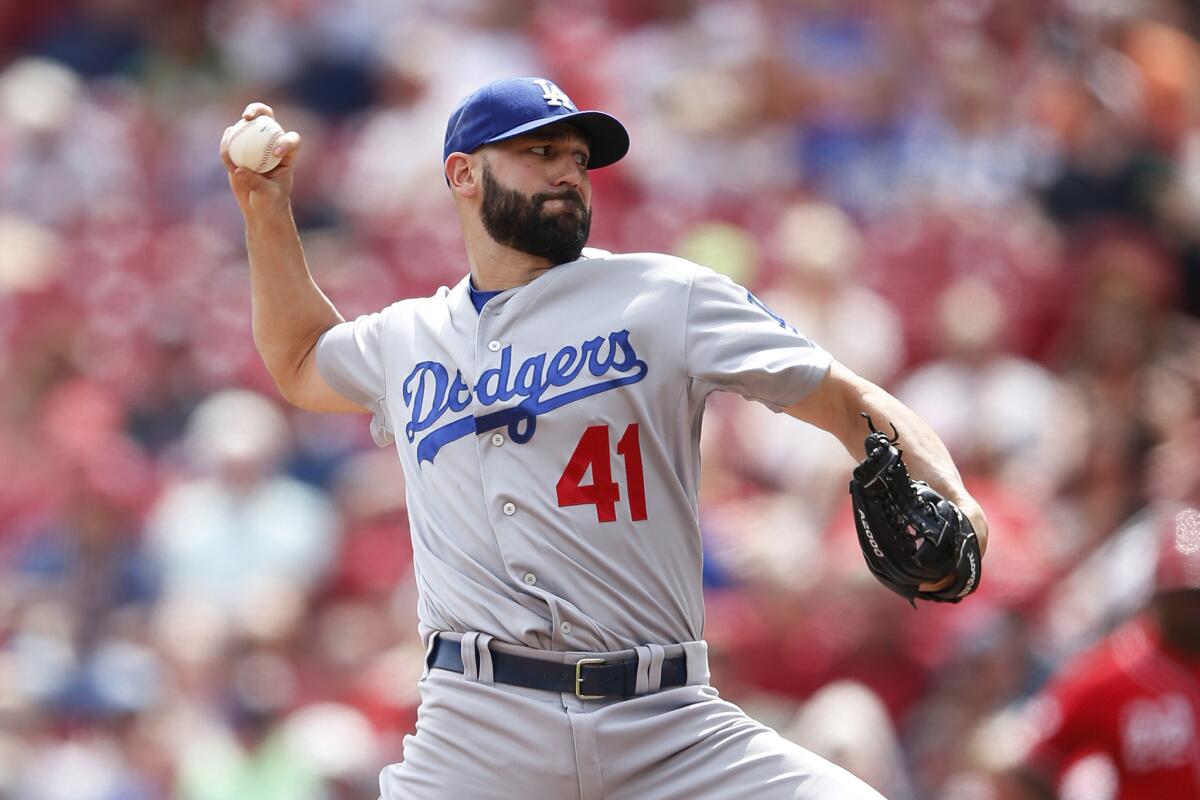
{"x":519,"y":222}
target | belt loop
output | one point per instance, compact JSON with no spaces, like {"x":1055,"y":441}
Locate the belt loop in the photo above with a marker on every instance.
{"x":484,"y":652}
{"x":470,"y":657}
{"x":697,"y":662}
{"x":657,"y":654}
{"x":428,"y":655}
{"x":642,"y":686}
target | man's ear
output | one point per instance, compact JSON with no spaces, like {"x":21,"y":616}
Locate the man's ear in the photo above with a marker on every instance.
{"x":462,"y":175}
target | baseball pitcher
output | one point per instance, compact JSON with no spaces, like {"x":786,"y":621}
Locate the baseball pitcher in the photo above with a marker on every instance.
{"x":547,"y":413}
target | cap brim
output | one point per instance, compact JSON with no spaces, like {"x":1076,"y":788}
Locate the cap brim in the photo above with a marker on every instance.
{"x":607,"y":138}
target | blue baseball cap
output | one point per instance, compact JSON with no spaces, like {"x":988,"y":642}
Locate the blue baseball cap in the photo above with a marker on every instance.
{"x":513,"y":106}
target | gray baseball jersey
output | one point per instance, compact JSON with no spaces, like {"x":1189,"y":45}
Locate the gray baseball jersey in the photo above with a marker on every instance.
{"x":550,"y":442}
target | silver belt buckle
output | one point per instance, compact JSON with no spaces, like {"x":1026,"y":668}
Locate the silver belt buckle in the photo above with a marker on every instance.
{"x":579,"y":678}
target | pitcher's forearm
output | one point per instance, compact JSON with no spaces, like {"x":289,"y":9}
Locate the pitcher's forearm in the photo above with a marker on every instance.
{"x":835,"y":407}
{"x":924,"y":451}
{"x":289,"y":312}
{"x":926,"y":454}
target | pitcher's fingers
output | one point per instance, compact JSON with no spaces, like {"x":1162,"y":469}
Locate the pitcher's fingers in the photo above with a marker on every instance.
{"x":246,"y":180}
{"x":223,"y":150}
{"x":287,"y":148}
{"x":937,"y":587}
{"x":257,"y":110}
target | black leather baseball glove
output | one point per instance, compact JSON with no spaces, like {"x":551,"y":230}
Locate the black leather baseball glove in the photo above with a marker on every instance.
{"x":909,"y":533}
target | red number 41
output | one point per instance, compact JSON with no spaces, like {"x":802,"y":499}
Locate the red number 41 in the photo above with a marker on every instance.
{"x":603,"y":492}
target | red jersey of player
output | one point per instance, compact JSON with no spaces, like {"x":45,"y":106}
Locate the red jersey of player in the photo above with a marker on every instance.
{"x":1135,"y":698}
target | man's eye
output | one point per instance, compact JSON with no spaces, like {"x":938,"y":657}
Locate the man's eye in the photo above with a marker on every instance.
{"x":581,"y":159}
{"x":540,"y":150}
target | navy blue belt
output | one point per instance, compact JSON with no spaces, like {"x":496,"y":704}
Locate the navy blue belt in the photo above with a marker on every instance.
{"x":587,"y":678}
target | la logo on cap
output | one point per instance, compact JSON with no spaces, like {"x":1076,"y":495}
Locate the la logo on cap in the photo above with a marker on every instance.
{"x":554,"y":95}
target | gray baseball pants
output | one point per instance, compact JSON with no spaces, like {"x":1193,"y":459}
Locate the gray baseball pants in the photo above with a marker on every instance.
{"x":479,"y":739}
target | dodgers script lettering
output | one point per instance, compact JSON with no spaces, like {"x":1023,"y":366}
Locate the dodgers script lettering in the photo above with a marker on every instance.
{"x":430,"y":393}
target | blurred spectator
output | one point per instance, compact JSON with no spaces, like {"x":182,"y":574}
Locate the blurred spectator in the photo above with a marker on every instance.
{"x":699,"y":85}
{"x":239,"y":534}
{"x":340,"y":745}
{"x":820,"y":290}
{"x":1000,"y":415}
{"x":85,"y":769}
{"x":845,"y":723}
{"x":1135,"y":698}
{"x":972,"y":149}
{"x":252,"y":757}
{"x":848,"y":63}
{"x":1121,"y":323}
{"x":993,"y":667}
{"x":1117,"y":578}
{"x":376,"y":552}
{"x":66,"y":152}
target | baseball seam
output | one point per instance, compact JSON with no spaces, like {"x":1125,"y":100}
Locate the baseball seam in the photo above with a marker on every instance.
{"x":265,"y":156}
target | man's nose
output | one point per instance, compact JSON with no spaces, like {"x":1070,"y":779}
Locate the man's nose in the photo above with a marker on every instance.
{"x":569,"y":173}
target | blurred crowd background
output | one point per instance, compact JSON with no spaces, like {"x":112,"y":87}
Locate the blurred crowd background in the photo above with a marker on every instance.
{"x":990,"y":207}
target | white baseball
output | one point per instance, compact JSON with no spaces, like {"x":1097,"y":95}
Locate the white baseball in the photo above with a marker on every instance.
{"x":252,"y":143}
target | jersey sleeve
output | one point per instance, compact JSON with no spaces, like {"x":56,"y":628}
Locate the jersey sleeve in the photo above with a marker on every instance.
{"x":733,"y":342}
{"x":350,"y":359}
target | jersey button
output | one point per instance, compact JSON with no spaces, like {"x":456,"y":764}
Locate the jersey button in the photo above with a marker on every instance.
{"x":494,"y":346}
{"x":509,"y":509}
{"x":530,"y":578}
{"x":497,"y":439}
{"x":565,"y":628}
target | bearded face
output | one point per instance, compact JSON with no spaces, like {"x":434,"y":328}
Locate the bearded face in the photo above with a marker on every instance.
{"x":524,"y":223}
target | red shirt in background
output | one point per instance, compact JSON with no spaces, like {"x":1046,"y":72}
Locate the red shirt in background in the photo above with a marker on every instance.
{"x":1134,"y":701}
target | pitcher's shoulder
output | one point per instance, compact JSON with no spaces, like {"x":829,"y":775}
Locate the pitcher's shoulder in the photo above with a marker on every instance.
{"x":437,"y":304}
{"x":651,"y":266}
